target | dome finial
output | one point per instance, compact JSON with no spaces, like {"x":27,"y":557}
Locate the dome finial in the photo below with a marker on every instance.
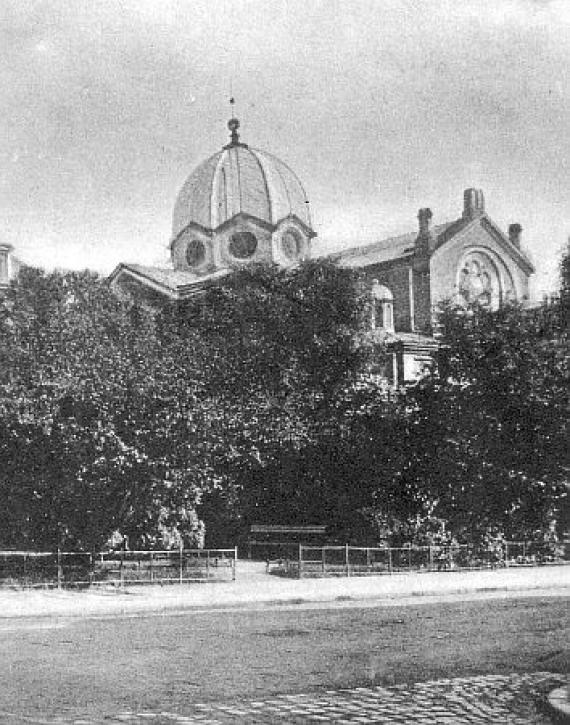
{"x":233,"y":125}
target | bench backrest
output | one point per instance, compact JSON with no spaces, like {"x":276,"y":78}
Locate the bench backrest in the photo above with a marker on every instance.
{"x":271,"y":529}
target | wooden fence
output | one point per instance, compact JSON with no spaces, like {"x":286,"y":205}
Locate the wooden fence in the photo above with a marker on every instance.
{"x":116,"y":568}
{"x":320,"y":561}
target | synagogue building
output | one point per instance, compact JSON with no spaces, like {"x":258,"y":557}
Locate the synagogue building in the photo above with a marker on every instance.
{"x":243,"y":206}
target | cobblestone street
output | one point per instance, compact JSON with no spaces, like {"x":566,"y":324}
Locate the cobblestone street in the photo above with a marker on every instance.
{"x":485,"y":700}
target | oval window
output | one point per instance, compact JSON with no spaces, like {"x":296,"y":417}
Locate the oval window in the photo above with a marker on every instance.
{"x":291,"y":244}
{"x":195,"y":253}
{"x":243,"y":244}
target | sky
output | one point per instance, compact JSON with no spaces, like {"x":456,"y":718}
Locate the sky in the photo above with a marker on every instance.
{"x":380,"y":106}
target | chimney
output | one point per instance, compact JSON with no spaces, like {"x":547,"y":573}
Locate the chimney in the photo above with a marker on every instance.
{"x":515,"y":235}
{"x":424,"y":216}
{"x":425,"y":238}
{"x":473,"y":203}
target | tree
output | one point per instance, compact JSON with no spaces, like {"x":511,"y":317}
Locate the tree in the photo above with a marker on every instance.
{"x":489,"y":448}
{"x":78,"y":447}
{"x":284,"y":351}
{"x":116,"y":418}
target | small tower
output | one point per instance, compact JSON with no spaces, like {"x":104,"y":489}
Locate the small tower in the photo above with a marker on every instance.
{"x":5,"y":264}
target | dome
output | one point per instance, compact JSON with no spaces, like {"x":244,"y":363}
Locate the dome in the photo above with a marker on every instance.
{"x":239,"y":180}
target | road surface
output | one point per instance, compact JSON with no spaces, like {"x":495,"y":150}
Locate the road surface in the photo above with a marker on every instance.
{"x":208,"y":666}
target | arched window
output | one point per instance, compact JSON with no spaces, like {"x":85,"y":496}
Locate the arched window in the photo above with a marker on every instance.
{"x":479,"y":281}
{"x":382,"y":307}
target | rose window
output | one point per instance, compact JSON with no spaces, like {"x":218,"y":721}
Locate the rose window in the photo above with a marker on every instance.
{"x":479,"y":281}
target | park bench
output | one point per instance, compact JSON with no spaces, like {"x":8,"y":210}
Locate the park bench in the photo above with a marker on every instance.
{"x":278,"y":542}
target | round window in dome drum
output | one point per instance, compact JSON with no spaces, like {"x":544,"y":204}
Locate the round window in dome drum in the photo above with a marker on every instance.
{"x":195,"y":253}
{"x":291,"y":244}
{"x":243,"y":245}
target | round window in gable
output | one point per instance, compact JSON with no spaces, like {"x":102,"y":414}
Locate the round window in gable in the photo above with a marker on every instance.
{"x":195,"y":253}
{"x":291,"y":244}
{"x":243,"y":245}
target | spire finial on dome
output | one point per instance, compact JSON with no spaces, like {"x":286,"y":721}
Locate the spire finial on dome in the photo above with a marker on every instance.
{"x":233,"y":125}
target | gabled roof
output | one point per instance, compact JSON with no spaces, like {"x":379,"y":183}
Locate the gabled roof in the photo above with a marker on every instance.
{"x":403,"y":246}
{"x":173,"y":283}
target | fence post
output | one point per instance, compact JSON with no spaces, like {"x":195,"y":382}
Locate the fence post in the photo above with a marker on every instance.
{"x":122,"y":561}
{"x":181,"y":554}
{"x":346,"y":560}
{"x":151,"y":571}
{"x":430,"y":557}
{"x":410,"y":558}
{"x":389,"y":559}
{"x":300,"y":560}
{"x":506,"y":553}
{"x":368,"y":564}
{"x":91,"y":568}
{"x":324,"y":559}
{"x":235,"y":563}
{"x":59,"y":572}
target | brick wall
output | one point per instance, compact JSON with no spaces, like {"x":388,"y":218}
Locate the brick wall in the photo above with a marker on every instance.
{"x":422,"y":301}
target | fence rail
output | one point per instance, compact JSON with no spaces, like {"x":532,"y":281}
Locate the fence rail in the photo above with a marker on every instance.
{"x":320,"y":561}
{"x":118,"y":568}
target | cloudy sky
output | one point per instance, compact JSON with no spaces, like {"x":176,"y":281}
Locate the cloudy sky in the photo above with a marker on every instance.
{"x":380,"y":106}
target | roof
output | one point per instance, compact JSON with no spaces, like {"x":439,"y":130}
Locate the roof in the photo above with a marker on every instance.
{"x":385,"y":250}
{"x":393,"y":248}
{"x":416,"y":342}
{"x":174,"y":283}
{"x":239,"y":180}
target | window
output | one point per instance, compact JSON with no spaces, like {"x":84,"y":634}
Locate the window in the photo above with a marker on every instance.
{"x":478,"y":281}
{"x":382,"y":307}
{"x":243,"y":245}
{"x":291,"y":244}
{"x":195,"y":253}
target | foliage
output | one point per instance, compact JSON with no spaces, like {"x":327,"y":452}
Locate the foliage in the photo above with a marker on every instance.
{"x":262,"y":401}
{"x":491,"y":428}
{"x":113,"y":417}
{"x":285,"y":352}
{"x":80,"y":451}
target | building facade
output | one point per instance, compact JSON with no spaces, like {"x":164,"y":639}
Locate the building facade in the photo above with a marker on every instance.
{"x":469,"y":259}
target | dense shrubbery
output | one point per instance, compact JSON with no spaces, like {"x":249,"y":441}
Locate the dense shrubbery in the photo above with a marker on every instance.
{"x":260,"y":402}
